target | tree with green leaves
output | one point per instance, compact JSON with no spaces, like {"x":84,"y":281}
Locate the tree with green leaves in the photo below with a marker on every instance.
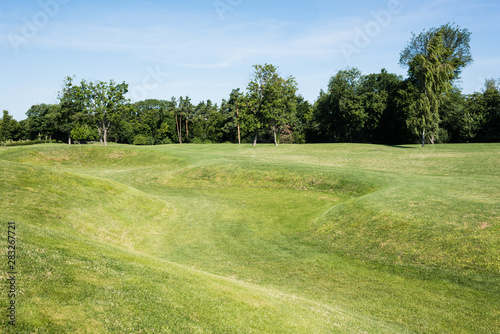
{"x":182,"y":109}
{"x":42,"y":120}
{"x":84,"y":133}
{"x":186,"y":109}
{"x":150,"y":119}
{"x":490,"y":101}
{"x":302,"y":125}
{"x":207,"y":123}
{"x":8,"y":127}
{"x":105,"y":104}
{"x":339,"y":111}
{"x":434,"y":59}
{"x":174,"y":106}
{"x":385,"y":123}
{"x":272,"y":99}
{"x":232,"y":110}
{"x":71,"y":108}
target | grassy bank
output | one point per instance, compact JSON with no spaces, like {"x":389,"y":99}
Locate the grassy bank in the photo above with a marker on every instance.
{"x":228,"y":238}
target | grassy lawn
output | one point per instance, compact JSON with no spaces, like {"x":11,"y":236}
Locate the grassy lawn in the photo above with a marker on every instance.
{"x":334,"y":238}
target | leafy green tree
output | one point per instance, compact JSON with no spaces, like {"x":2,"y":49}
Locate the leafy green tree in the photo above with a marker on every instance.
{"x":8,"y":127}
{"x":434,"y":59}
{"x":174,"y":107}
{"x":302,"y":125}
{"x":272,"y":100}
{"x":182,"y":109}
{"x":283,"y":107}
{"x":232,"y":111}
{"x":207,"y":123}
{"x":84,"y":133}
{"x":42,"y":120}
{"x":151,"y":119}
{"x":71,"y":108}
{"x":455,"y":41}
{"x":458,"y":124}
{"x":186,"y":110}
{"x":340,"y":112}
{"x":433,"y":77}
{"x":105,"y":104}
{"x":490,"y":130}
{"x":385,"y":122}
{"x":23,"y":130}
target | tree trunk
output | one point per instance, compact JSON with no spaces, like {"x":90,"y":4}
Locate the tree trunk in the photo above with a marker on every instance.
{"x":274,"y":135}
{"x":238,"y":120}
{"x":255,"y":139}
{"x":100,"y":135}
{"x":105,"y":135}
{"x":179,"y":129}
{"x":423,"y":138}
{"x":239,"y":136}
{"x":187,"y":129}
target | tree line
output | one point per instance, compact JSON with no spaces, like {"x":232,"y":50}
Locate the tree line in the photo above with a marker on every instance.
{"x":383,"y":108}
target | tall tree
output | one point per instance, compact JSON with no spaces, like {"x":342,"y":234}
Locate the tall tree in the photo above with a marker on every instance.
{"x":385,"y":122}
{"x":42,"y":120}
{"x":72,"y":105}
{"x":340,"y":112}
{"x":455,"y":40}
{"x":178,"y":117}
{"x":232,"y":110}
{"x":105,"y":104}
{"x":186,"y":109}
{"x":491,"y":96}
{"x":151,"y":117}
{"x":283,"y":106}
{"x":434,"y":59}
{"x":8,"y":127}
{"x":272,"y":99}
{"x":207,"y":122}
{"x":302,"y":125}
{"x":433,"y":75}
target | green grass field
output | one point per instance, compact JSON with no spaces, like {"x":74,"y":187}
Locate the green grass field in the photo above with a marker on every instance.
{"x":337,"y":238}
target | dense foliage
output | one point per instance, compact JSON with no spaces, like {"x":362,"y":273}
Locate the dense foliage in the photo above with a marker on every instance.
{"x":381,"y":108}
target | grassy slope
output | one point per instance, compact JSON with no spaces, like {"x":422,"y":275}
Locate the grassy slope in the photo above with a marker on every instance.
{"x":226,"y":238}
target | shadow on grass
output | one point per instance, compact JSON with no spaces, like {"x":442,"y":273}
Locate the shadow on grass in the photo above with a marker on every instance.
{"x":408,"y":146}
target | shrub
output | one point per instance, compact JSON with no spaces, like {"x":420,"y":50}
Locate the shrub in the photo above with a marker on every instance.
{"x":443,"y":136}
{"x":143,"y":140}
{"x":84,"y":133}
{"x":200,"y":141}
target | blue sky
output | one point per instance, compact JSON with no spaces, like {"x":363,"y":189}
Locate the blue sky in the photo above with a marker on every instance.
{"x":206,"y":48}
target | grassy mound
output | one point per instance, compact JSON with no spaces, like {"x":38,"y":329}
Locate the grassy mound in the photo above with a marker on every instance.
{"x":227,"y":238}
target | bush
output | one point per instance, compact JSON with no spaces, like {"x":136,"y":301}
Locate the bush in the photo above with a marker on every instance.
{"x":443,"y":136}
{"x":167,"y":141}
{"x":143,"y":140}
{"x":200,"y":141}
{"x":84,"y":133}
